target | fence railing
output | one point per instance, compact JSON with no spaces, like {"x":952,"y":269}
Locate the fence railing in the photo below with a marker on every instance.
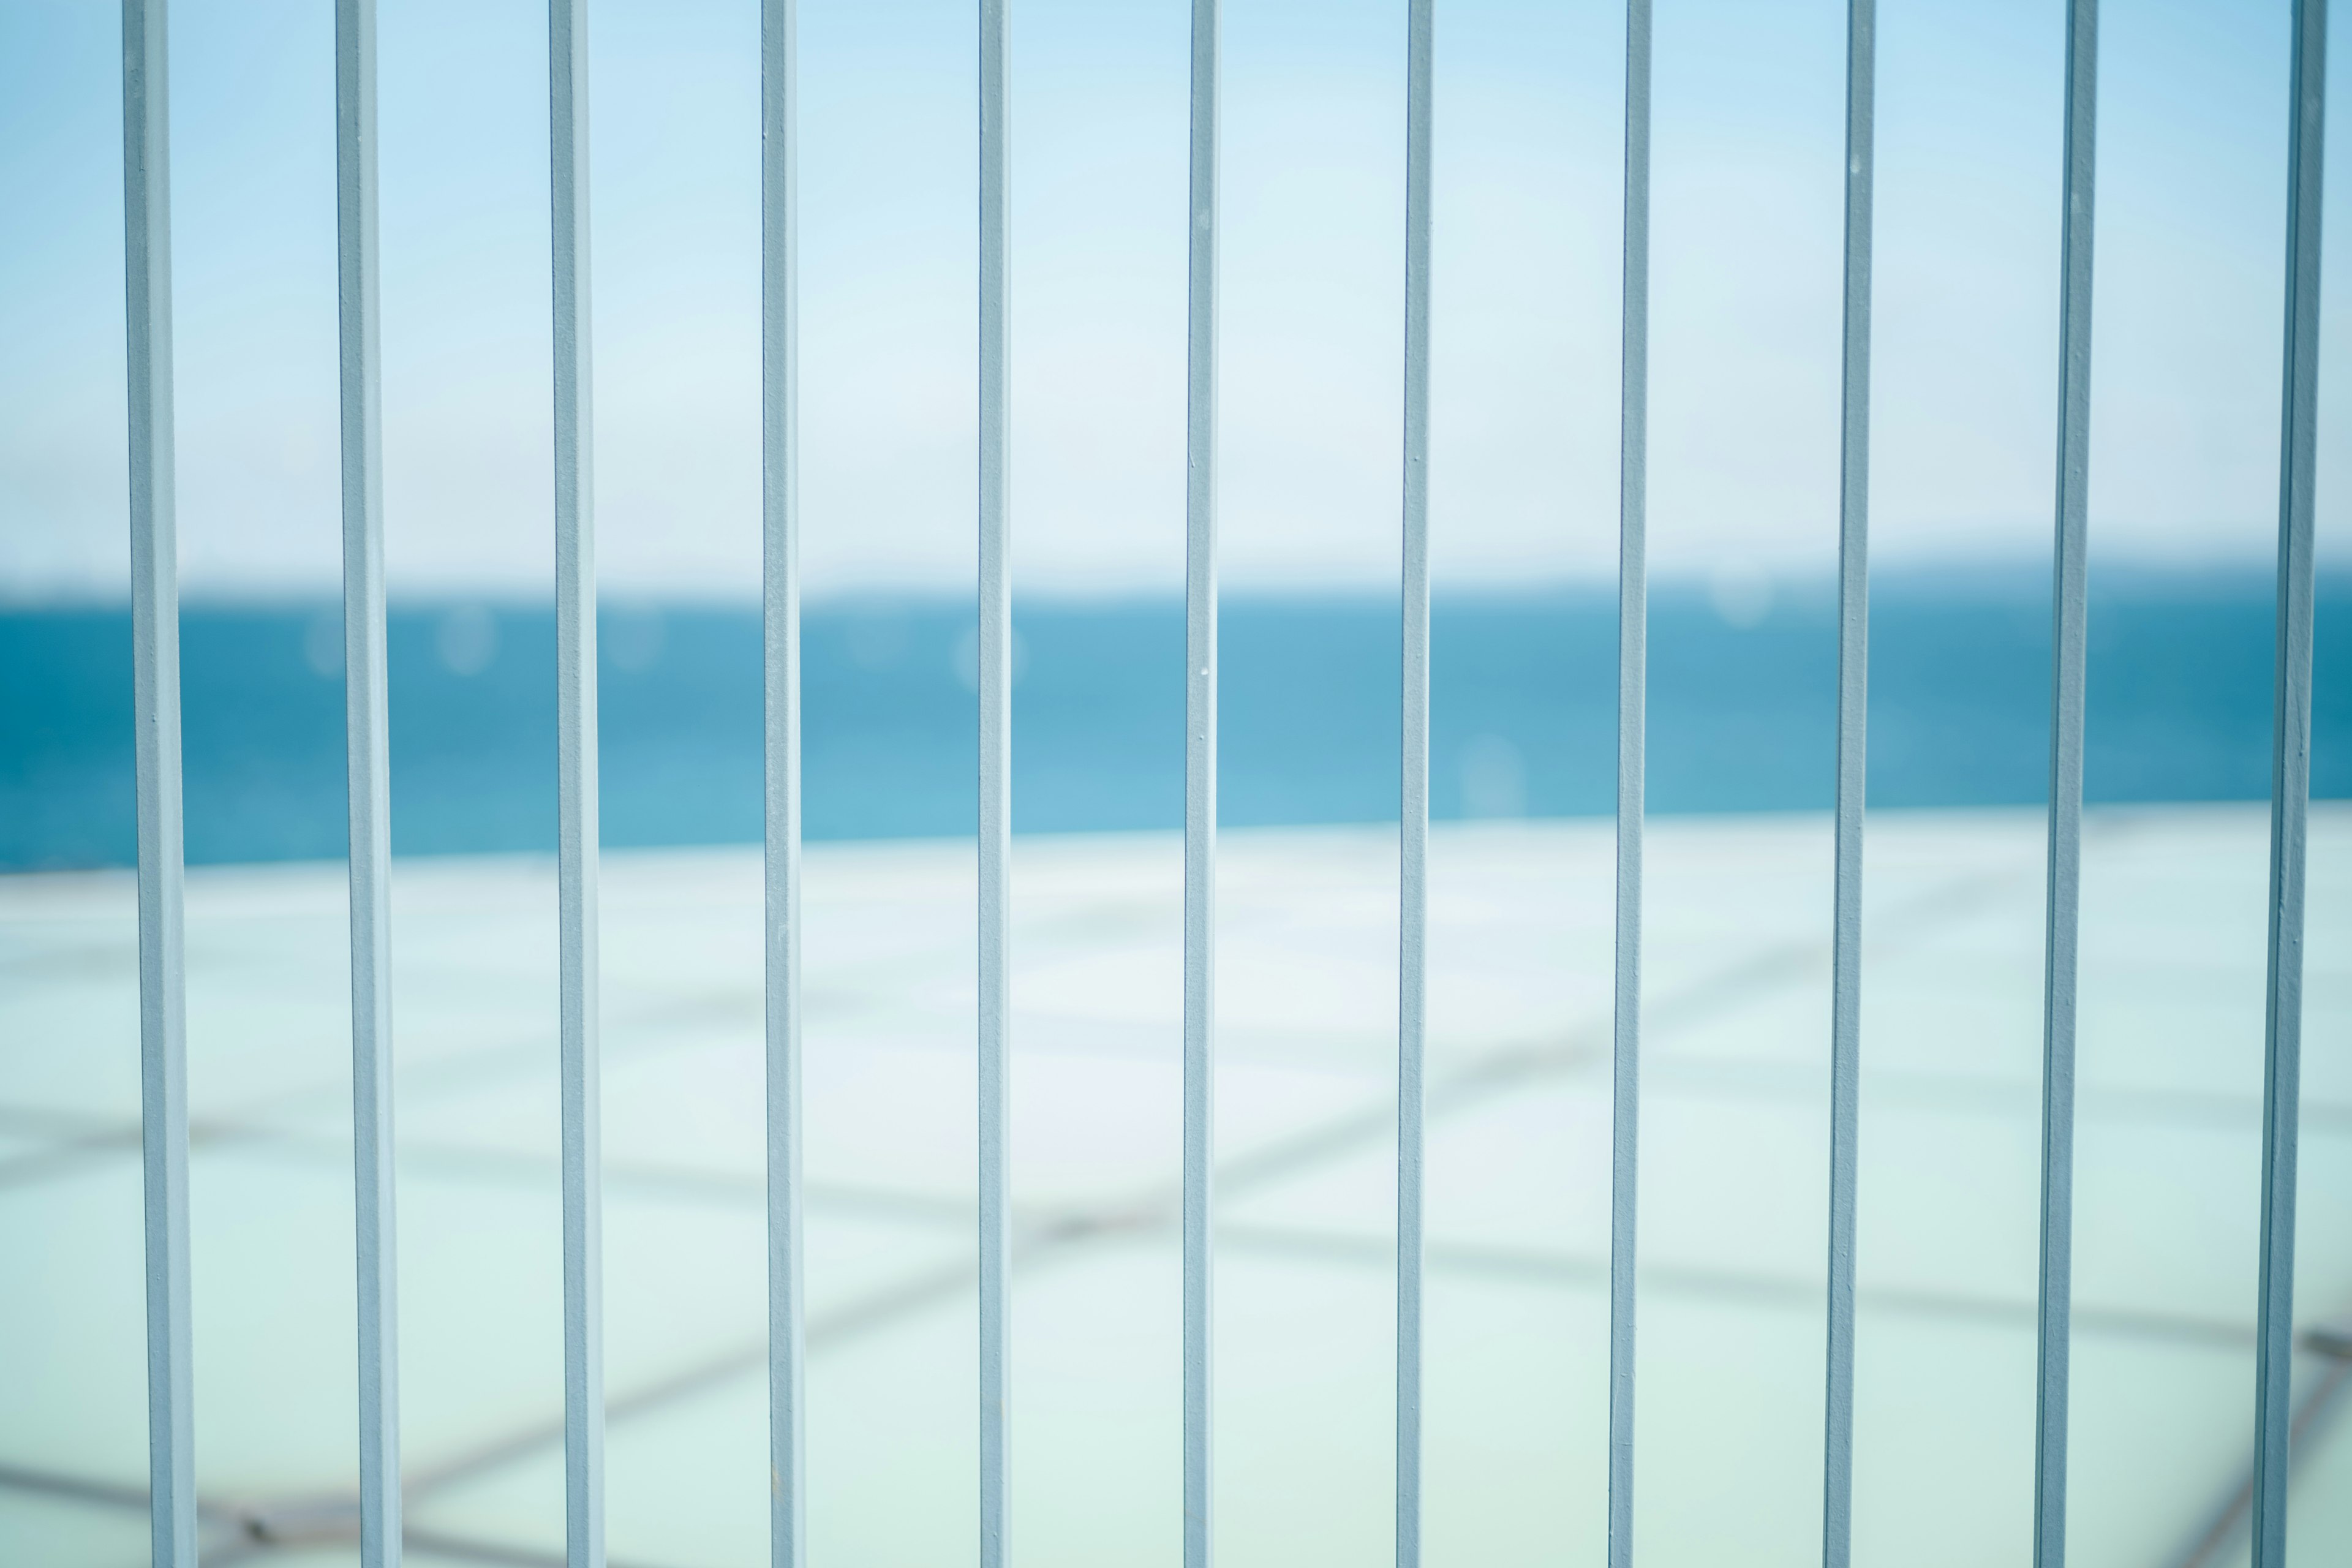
{"x":146,"y":176}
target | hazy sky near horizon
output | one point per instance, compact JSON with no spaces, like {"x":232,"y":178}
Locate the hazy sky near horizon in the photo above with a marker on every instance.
{"x":1747,"y":243}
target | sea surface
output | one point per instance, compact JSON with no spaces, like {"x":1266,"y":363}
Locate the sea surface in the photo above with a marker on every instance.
{"x":1742,"y":713}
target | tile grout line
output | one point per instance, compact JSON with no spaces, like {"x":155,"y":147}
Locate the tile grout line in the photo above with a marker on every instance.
{"x":1466,"y":1085}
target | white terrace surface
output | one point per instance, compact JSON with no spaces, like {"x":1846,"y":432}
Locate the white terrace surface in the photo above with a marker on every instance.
{"x":1733,"y":1168}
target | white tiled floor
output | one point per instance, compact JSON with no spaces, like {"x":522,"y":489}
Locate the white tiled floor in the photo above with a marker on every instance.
{"x":1734,"y":1166}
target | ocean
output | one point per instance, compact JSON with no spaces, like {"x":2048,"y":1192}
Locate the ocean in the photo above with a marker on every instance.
{"x":1742,"y":713}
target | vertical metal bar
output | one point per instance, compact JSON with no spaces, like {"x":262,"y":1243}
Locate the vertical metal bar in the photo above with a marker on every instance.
{"x":155,"y":665}
{"x":1633,"y":656}
{"x":1200,"y":788}
{"x":995,"y":787}
{"x":1854,"y":675}
{"x":2068,"y":653}
{"x":781,"y":630}
{"x":368,"y":781}
{"x":575,"y":792}
{"x":2290,"y":788}
{"x":1412,"y":881}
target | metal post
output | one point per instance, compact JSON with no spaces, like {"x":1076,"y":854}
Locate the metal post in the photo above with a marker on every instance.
{"x":2290,"y":788}
{"x":995,"y":787}
{"x":1412,"y":882}
{"x":155,"y":666}
{"x":781,"y":627}
{"x":576,"y":794}
{"x":368,"y":781}
{"x":1632,"y":645}
{"x":1854,"y":674}
{"x":1199,"y":785}
{"x":2067,"y":664}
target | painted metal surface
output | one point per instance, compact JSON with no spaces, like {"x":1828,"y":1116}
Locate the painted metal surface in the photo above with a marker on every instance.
{"x":995,"y":1239}
{"x":781,"y":638}
{"x":1853,"y":678}
{"x":2068,"y":654}
{"x":1633,"y":662}
{"x":576,"y":820}
{"x":2290,"y":791}
{"x":156,"y":675}
{"x":1412,"y":879}
{"x":1201,"y":791}
{"x":368,"y":780}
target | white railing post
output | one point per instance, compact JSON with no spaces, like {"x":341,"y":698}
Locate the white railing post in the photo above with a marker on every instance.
{"x":1632,"y":702}
{"x":155,"y":665}
{"x":1854,"y":723}
{"x":780,"y":637}
{"x":1201,"y":789}
{"x":2290,"y":788}
{"x":368,"y":782}
{"x":575,"y":790}
{"x":2068,"y":659}
{"x":995,"y":789}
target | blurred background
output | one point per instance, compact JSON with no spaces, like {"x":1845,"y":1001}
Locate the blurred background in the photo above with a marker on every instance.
{"x":1747,"y":244}
{"x":1748,"y":193}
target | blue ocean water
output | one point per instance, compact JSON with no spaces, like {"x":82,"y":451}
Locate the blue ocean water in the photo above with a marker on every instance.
{"x":1742,"y":713}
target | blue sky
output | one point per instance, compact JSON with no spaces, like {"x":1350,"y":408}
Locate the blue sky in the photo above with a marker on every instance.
{"x":1748,"y":116}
